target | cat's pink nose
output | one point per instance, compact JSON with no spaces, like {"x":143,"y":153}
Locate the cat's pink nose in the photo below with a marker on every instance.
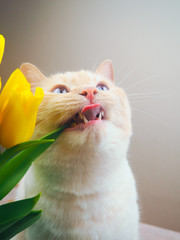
{"x":89,"y":93}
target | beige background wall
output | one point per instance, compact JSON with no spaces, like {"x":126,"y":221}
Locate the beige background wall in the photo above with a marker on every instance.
{"x":143,"y":40}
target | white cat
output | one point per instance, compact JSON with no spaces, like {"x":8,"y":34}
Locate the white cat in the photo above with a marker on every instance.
{"x":87,"y":188}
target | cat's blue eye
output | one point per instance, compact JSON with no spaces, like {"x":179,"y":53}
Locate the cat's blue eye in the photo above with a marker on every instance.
{"x":60,"y":89}
{"x":102,"y":87}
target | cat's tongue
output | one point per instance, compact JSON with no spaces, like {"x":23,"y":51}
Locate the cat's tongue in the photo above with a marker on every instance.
{"x":91,"y":111}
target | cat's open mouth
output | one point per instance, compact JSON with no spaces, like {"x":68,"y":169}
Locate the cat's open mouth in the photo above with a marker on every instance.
{"x":89,"y":114}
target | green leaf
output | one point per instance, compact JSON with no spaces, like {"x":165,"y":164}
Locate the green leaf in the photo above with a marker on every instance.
{"x":54,"y":134}
{"x":16,"y":210}
{"x":12,"y":172}
{"x":10,"y":213}
{"x":13,"y":151}
{"x":21,"y":225}
{"x":5,"y":226}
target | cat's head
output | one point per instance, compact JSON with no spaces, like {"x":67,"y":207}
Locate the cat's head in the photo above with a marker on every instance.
{"x":95,"y":108}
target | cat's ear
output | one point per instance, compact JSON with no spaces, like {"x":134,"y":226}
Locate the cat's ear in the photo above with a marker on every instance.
{"x":106,"y":70}
{"x":33,"y":75}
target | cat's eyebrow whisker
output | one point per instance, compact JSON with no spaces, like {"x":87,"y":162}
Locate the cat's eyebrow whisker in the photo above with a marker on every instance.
{"x":121,"y":67}
{"x":45,"y":72}
{"x":132,"y":71}
{"x":144,"y":80}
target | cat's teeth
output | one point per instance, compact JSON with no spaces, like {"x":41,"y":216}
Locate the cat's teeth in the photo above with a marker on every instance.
{"x":100,"y":116}
{"x":73,"y":124}
{"x":84,"y":119}
{"x":81,"y":115}
{"x":102,"y":113}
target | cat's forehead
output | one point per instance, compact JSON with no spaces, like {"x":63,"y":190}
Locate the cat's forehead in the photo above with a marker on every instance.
{"x":75,"y":79}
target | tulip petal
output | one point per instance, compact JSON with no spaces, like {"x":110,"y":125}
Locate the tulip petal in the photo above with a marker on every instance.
{"x":12,"y":123}
{"x":18,"y":122}
{"x":18,"y":110}
{"x":0,"y":110}
{"x":2,"y":43}
{"x":31,"y":112}
{"x":17,"y":82}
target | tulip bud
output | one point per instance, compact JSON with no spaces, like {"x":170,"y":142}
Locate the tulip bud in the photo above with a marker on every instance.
{"x":18,"y":110}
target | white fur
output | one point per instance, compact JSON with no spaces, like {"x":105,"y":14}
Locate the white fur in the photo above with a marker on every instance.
{"x":97,"y":200}
{"x":88,"y":189}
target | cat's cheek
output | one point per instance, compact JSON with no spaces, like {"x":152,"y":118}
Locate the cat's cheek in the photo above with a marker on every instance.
{"x":122,"y":124}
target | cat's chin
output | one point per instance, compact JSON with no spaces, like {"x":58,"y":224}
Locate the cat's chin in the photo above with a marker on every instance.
{"x":84,"y":136}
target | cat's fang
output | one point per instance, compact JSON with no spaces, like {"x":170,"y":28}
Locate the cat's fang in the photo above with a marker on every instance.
{"x":100,"y":116}
{"x":84,"y":119}
{"x":81,"y":115}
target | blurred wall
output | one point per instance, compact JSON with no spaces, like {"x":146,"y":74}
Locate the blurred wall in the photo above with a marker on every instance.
{"x":143,"y":40}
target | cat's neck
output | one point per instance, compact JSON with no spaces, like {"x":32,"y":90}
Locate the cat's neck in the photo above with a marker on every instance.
{"x":83,"y":173}
{"x":93,"y":166}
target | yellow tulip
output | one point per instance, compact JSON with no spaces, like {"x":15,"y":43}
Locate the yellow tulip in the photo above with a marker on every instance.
{"x":2,"y":43}
{"x":18,"y":110}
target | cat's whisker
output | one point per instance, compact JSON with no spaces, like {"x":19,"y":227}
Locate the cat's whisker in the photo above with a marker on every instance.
{"x":149,"y":115}
{"x":143,"y":98}
{"x":141,"y":101}
{"x":63,"y":118}
{"x":47,"y":118}
{"x":121,"y":67}
{"x":95,"y":64}
{"x":143,"y":93}
{"x":66,"y":105}
{"x":66,"y":101}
